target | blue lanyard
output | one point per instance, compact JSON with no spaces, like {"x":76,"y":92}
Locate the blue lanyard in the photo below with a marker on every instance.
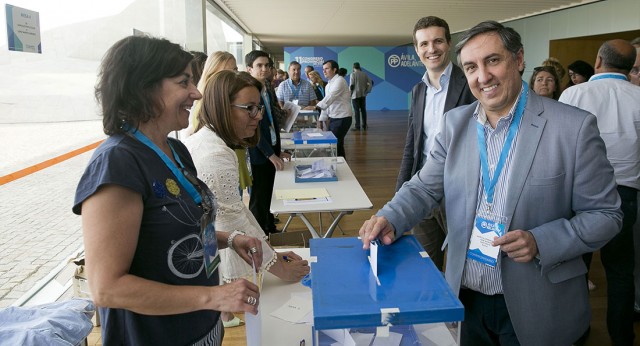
{"x":608,"y":75}
{"x":267,"y":106}
{"x":489,"y":184}
{"x":167,"y":161}
{"x":321,"y":90}
{"x":296,"y":91}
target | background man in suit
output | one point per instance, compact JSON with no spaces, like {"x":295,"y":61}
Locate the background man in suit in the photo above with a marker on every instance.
{"x":442,"y":88}
{"x":360,"y":85}
{"x":266,"y":157}
{"x":616,"y":103}
{"x":517,"y":231}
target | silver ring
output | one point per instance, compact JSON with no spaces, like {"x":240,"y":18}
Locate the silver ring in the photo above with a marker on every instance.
{"x":253,"y":250}
{"x":251,"y":300}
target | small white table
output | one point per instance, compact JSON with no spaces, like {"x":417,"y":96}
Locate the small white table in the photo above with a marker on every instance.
{"x":275,"y":293}
{"x":346,"y":195}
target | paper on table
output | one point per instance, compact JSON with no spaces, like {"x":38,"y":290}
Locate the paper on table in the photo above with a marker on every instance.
{"x":301,"y":193}
{"x":294,"y":310}
{"x":362,"y":338}
{"x":308,"y":318}
{"x":306,"y":201}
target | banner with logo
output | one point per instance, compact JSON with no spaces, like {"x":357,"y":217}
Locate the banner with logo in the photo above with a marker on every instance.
{"x":394,"y":70}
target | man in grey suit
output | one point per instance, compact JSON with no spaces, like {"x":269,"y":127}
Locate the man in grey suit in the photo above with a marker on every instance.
{"x":529,"y":190}
{"x":442,"y":88}
{"x":360,"y":85}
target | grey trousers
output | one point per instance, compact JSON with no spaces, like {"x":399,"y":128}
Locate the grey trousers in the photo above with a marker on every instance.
{"x":431,"y":233}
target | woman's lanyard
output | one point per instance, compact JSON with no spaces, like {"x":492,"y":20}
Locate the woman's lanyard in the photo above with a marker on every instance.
{"x":608,"y":75}
{"x":294,"y":90}
{"x":321,"y":89}
{"x":490,"y":184}
{"x":167,"y":161}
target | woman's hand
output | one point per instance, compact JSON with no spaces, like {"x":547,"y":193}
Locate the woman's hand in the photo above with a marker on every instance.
{"x":249,"y":249}
{"x":290,"y":267}
{"x":239,"y":295}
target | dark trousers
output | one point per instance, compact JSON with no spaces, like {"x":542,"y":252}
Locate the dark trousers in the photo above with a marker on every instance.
{"x":340,"y":128}
{"x":260,"y":196}
{"x":431,"y":233}
{"x":360,"y":110}
{"x":486,"y":320}
{"x":617,"y":259}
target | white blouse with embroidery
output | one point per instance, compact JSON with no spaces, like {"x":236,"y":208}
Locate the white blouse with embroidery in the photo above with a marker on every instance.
{"x":217,"y":166}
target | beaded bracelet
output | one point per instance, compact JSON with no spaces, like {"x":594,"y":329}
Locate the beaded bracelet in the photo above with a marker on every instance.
{"x":231,"y":237}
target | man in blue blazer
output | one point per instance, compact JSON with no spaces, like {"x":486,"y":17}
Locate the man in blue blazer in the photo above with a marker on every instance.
{"x":529,"y":190}
{"x":442,"y":88}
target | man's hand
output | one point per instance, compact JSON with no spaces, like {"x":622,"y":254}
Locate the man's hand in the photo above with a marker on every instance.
{"x":277,"y":162}
{"x":374,"y":228}
{"x":520,"y":245}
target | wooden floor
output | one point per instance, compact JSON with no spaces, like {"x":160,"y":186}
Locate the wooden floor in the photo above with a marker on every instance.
{"x":374,"y":157}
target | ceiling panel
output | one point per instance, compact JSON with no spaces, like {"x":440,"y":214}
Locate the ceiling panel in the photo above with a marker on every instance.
{"x":280,"y":23}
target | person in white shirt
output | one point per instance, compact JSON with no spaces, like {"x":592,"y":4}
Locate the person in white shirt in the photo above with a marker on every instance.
{"x":614,"y":101}
{"x":336,"y":104}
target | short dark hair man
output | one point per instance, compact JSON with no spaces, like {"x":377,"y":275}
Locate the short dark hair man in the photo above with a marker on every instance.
{"x":360,"y":85}
{"x":614,"y":101}
{"x":442,"y":88}
{"x":527,"y":180}
{"x":296,"y":90}
{"x":266,"y":157}
{"x":307,"y":69}
{"x":336,"y":104}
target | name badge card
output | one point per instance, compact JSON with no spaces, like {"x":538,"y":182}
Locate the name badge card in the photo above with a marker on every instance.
{"x":485,"y":229}
{"x":211,"y":255}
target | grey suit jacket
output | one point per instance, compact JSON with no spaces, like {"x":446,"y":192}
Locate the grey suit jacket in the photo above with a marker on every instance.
{"x":458,"y":94}
{"x":561,"y":189}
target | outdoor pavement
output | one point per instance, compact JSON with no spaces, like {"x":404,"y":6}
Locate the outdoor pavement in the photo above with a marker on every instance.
{"x":38,"y":231}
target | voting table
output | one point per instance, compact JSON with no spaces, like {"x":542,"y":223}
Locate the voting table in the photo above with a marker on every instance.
{"x":346,"y":196}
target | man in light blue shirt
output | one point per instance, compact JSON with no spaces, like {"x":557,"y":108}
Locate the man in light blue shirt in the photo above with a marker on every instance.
{"x":295,"y":89}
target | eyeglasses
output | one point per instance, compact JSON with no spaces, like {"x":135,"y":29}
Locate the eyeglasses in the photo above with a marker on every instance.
{"x":253,"y":110}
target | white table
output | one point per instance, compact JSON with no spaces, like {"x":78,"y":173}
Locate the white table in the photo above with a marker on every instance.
{"x":275,"y":293}
{"x":346,"y":195}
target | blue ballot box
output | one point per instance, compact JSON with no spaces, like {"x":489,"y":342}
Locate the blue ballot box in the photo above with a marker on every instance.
{"x":411,"y":297}
{"x":314,"y":156}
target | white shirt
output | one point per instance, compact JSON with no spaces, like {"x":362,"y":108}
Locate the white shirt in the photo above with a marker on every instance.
{"x":616,"y":104}
{"x":434,"y":109}
{"x":217,"y":166}
{"x":337,"y":100}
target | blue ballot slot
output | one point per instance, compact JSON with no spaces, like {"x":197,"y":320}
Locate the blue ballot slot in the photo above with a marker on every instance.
{"x":346,"y":294}
{"x":315,"y":156}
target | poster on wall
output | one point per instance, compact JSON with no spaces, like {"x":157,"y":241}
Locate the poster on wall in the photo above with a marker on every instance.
{"x":23,"y":30}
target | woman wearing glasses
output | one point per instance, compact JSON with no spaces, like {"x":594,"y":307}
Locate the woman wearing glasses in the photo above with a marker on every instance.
{"x":150,"y":244}
{"x":229,"y":120}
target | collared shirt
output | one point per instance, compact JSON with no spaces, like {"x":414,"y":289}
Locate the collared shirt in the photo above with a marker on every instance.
{"x":434,"y":109}
{"x":337,"y":100}
{"x":303,"y":92}
{"x":615,"y":103}
{"x":477,"y":276}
